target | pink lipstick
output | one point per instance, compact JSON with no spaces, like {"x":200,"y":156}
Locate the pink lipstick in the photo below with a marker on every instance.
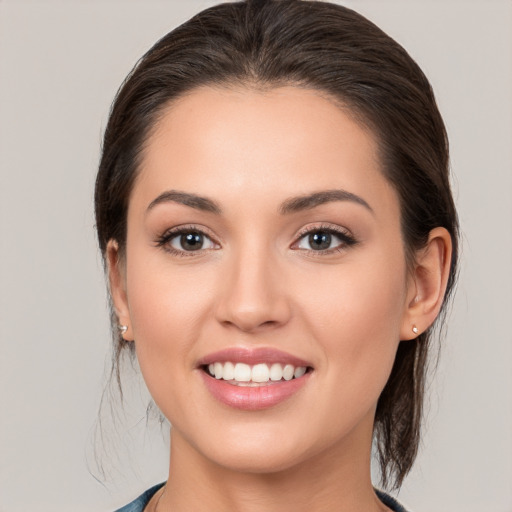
{"x":253,"y":379}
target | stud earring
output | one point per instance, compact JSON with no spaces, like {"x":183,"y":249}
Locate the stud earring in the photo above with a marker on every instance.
{"x":415,"y":329}
{"x":122,"y":329}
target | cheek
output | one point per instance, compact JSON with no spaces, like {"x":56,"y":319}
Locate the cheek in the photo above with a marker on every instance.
{"x":355,"y":313}
{"x":362,"y":295}
{"x":165,"y":296}
{"x":167,"y":312}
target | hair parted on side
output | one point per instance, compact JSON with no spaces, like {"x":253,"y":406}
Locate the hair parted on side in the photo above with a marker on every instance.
{"x":322,"y":46}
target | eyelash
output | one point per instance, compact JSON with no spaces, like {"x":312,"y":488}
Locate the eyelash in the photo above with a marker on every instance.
{"x":164,"y":240}
{"x":346,"y":239}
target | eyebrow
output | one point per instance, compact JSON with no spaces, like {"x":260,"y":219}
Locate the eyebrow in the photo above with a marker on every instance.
{"x":306,"y":202}
{"x":292,"y":205}
{"x":187,"y":199}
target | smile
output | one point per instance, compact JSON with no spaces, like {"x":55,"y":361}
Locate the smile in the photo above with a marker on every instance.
{"x":241,"y":374}
{"x":253,"y":379}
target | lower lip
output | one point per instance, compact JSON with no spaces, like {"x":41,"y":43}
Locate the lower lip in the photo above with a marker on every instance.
{"x":253,"y":398}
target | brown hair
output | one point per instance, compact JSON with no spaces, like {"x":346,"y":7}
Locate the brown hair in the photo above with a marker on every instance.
{"x":334,"y":50}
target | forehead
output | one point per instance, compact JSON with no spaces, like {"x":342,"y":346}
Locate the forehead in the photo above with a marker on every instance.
{"x":232,"y":143}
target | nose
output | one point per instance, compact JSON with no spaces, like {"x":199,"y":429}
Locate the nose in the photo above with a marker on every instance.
{"x":253,"y":294}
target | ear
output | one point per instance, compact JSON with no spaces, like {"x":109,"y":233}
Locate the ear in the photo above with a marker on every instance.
{"x":427,"y":284}
{"x":117,"y":282}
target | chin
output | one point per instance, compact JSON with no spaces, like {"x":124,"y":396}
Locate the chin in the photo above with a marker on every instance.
{"x":257,"y":461}
{"x":257,"y":446}
{"x":260,"y":447}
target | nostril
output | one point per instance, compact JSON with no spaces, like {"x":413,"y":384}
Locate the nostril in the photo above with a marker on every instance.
{"x":251,"y":300}
{"x":249,"y":323}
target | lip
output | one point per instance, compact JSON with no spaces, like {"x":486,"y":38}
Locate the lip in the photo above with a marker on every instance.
{"x":252,"y":356}
{"x":253,"y":398}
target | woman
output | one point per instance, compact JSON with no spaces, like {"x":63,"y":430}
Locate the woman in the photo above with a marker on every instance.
{"x":274,"y":210}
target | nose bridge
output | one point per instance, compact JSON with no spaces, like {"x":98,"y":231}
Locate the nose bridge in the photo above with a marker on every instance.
{"x":253,"y":296}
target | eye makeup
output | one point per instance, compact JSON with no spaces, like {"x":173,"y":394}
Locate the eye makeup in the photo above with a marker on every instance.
{"x":322,"y":235}
{"x":192,"y":240}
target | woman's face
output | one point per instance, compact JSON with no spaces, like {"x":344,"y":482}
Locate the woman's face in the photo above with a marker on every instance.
{"x":262,"y":233}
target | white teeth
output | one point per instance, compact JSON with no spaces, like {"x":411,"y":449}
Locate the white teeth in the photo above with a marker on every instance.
{"x":217,"y":368}
{"x":299,"y":371}
{"x":242,"y":372}
{"x":259,"y":373}
{"x":288,"y":372}
{"x":228,"y":372}
{"x":276,"y":372}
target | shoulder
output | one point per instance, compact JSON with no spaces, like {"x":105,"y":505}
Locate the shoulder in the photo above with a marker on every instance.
{"x":138,"y":504}
{"x":390,"y":502}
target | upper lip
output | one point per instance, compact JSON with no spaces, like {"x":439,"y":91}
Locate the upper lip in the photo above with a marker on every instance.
{"x":252,"y":356}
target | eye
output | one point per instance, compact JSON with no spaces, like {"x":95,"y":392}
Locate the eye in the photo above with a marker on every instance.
{"x":325,"y":240}
{"x":181,"y":241}
{"x":191,"y":241}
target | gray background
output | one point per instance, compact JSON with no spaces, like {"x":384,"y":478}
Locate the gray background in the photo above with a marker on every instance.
{"x":60,"y":65}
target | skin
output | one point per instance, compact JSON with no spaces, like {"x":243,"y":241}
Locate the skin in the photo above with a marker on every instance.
{"x":259,"y":284}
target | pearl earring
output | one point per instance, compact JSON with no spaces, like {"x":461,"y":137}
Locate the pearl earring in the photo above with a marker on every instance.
{"x":415,"y":329}
{"x":122,"y":329}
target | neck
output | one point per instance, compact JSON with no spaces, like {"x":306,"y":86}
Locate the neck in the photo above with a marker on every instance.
{"x":337,"y":481}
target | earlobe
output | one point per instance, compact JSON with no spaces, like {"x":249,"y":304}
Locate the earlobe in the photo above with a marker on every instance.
{"x":428,"y":284}
{"x":117,"y":283}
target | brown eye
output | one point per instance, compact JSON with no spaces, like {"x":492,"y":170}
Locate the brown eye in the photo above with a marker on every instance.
{"x":321,"y":240}
{"x":325,"y":240}
{"x":190,"y":241}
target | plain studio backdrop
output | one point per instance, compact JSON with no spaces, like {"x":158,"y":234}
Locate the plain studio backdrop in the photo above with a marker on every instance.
{"x":60,"y":66}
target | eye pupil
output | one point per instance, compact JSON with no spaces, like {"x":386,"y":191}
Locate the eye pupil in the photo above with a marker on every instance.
{"x":320,"y":240}
{"x":191,"y":241}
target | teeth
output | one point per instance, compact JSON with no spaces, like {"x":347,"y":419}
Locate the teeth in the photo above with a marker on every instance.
{"x":217,"y":369}
{"x":228,"y":371}
{"x":259,"y":373}
{"x":288,"y":372}
{"x":299,"y":371}
{"x":242,"y":372}
{"x":276,"y":372}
